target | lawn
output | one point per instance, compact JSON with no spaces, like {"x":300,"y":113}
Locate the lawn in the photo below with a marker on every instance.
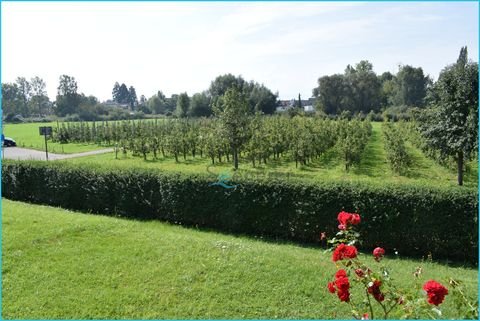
{"x":59,"y":264}
{"x":27,"y":135}
{"x":373,"y":167}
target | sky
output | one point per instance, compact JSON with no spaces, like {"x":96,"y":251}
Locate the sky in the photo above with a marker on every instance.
{"x":182,"y":46}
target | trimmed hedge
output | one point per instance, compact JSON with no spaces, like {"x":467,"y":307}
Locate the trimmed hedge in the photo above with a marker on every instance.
{"x":411,"y":219}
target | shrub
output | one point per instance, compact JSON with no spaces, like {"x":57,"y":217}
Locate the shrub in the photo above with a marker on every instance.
{"x":413,"y":220}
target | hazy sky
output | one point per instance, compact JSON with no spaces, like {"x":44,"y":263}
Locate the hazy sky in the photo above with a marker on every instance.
{"x":177,"y":47}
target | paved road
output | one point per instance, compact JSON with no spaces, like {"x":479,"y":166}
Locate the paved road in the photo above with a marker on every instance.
{"x":30,"y":154}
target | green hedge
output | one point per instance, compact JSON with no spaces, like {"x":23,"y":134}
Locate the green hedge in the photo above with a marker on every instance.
{"x":411,"y":219}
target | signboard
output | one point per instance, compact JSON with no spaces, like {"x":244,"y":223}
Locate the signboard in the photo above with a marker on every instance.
{"x":45,"y":130}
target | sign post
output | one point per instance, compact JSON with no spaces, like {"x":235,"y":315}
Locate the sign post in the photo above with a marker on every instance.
{"x":46,"y":130}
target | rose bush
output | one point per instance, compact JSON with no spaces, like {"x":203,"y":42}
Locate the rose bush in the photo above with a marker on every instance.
{"x":377,"y":284}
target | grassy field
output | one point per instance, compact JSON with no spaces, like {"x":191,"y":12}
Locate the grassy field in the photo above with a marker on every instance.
{"x":373,"y":167}
{"x":59,"y":264}
{"x":27,"y":135}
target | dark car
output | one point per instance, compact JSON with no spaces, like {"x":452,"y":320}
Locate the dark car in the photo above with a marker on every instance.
{"x":9,"y":142}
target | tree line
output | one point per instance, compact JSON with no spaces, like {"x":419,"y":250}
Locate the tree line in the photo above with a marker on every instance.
{"x":29,"y":98}
{"x":360,"y":89}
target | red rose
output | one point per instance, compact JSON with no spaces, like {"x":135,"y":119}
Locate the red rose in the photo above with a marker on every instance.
{"x":378,"y":253}
{"x":365,"y":316}
{"x":331,"y":287}
{"x":343,"y":251}
{"x":345,"y":218}
{"x":435,"y":292}
{"x":355,"y":219}
{"x":374,"y":289}
{"x":343,"y":285}
{"x":344,"y":296}
{"x":341,"y":274}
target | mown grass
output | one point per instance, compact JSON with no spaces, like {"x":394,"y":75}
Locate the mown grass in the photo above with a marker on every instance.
{"x":59,"y":264}
{"x":373,"y":168}
{"x":27,"y":135}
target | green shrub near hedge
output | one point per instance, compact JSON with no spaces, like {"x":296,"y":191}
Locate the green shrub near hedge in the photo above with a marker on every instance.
{"x":414,"y":220}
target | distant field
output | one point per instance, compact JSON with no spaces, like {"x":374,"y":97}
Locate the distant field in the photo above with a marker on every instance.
{"x":27,"y":135}
{"x":59,"y":264}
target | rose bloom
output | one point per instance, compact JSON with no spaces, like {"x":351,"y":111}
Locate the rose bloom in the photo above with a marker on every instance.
{"x":435,"y":292}
{"x":331,"y":287}
{"x":345,"y":218}
{"x":343,"y":251}
{"x":341,"y":274}
{"x":374,"y":289}
{"x":355,"y":219}
{"x":378,"y":253}
{"x":343,"y":285}
{"x":344,"y":296}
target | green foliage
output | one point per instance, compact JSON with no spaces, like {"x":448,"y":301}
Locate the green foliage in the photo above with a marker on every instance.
{"x":450,"y":125}
{"x":413,"y":220}
{"x":183,"y":104}
{"x":259,"y":97}
{"x":233,"y":115}
{"x":352,"y":139}
{"x":411,"y":86}
{"x":395,"y":147}
{"x":200,"y":105}
{"x":359,"y":89}
{"x":67,"y":98}
{"x":25,"y":98}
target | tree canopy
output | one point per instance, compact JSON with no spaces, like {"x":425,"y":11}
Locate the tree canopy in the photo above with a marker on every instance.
{"x":450,"y":124}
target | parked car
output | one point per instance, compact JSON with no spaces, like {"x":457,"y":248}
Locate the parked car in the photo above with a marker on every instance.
{"x":9,"y":142}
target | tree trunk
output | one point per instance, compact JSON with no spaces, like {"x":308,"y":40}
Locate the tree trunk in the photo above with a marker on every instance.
{"x":235,"y":158}
{"x":460,"y":168}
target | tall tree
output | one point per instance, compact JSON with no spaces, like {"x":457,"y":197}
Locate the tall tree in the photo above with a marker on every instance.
{"x":116,"y":92}
{"x":233,"y":112}
{"x":411,"y":86}
{"x":330,"y":93}
{"x":450,"y":125}
{"x":364,"y":88}
{"x":39,"y":101}
{"x":67,"y":97}
{"x":388,"y":89}
{"x":132,"y":97}
{"x":183,"y":103}
{"x":200,"y":105}
{"x":123,"y":94}
{"x":259,"y":97}
{"x":11,"y":101}
{"x":24,"y":92}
